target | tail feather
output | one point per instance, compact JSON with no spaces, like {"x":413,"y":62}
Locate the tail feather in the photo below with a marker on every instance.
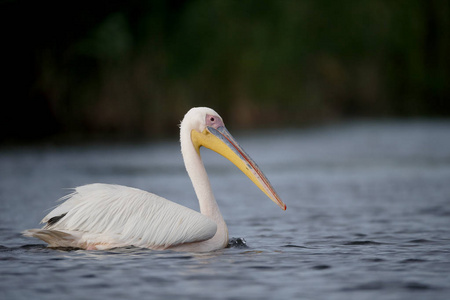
{"x":53,"y":238}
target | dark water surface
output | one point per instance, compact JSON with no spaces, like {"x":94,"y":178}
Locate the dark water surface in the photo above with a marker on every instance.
{"x":368,"y":217}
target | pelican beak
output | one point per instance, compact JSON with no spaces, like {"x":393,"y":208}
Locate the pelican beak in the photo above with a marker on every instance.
{"x":220,"y":140}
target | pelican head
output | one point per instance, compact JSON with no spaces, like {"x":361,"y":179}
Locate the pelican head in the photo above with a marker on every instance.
{"x":208,"y":130}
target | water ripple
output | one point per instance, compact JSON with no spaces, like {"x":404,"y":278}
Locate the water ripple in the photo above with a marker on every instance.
{"x":356,"y":227}
{"x":361,"y":243}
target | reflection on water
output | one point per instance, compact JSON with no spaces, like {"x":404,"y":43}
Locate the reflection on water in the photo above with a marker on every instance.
{"x":367,"y":217}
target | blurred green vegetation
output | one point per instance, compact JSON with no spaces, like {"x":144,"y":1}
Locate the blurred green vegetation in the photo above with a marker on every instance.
{"x":133,"y":68}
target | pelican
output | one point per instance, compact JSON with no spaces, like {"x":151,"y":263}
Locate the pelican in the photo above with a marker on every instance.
{"x":104,"y":216}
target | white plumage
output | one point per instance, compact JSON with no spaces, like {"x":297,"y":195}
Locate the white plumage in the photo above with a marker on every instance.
{"x":103,"y":216}
{"x":115,"y":216}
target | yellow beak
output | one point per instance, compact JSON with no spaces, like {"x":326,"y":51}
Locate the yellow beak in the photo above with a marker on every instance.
{"x":221,"y":141}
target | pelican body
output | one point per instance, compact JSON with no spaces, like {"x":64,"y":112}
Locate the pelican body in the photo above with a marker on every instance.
{"x":103,"y":216}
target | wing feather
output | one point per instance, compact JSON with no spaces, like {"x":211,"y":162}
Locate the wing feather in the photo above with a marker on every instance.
{"x":129,"y":216}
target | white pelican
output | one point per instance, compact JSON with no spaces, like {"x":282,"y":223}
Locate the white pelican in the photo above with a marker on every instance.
{"x":103,"y":216}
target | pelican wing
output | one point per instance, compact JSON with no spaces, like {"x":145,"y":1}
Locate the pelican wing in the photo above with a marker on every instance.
{"x":103,"y":214}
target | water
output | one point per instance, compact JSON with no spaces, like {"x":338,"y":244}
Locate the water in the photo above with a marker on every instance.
{"x":368,"y":217}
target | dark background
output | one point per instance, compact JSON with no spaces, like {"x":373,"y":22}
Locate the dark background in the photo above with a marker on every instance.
{"x":131,"y":69}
